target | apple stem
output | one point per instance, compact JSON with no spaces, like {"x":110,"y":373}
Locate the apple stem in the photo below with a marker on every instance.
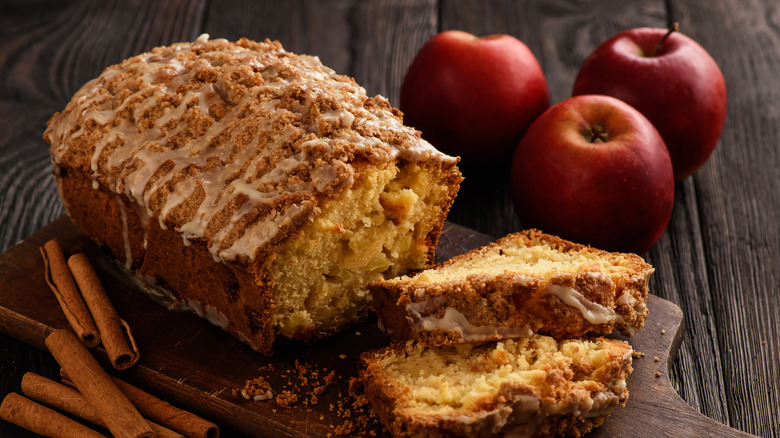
{"x":673,"y":28}
{"x":595,"y":134}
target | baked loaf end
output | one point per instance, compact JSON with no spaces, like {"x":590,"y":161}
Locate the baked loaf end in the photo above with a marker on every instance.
{"x":251,"y":185}
{"x":524,"y":283}
{"x":527,"y":387}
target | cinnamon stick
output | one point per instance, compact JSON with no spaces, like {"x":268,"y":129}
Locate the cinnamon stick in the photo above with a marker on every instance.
{"x":97,"y":387}
{"x":114,"y":331}
{"x":25,"y":413}
{"x":165,"y":413}
{"x":61,"y":283}
{"x":162,"y":412}
{"x":68,"y":400}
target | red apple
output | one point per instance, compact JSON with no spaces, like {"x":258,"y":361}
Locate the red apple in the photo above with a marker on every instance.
{"x":675,"y":83}
{"x":474,"y":97}
{"x":592,"y":169}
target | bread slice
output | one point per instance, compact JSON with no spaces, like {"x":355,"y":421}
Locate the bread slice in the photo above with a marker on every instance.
{"x":524,"y":283}
{"x":252,"y":185}
{"x":533,"y":386}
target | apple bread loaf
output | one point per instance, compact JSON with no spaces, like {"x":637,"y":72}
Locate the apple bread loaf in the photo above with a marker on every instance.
{"x":527,"y":387}
{"x":249,"y":184}
{"x":524,"y":283}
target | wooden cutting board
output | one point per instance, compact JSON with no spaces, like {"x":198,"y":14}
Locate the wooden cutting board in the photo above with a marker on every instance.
{"x":196,"y":365}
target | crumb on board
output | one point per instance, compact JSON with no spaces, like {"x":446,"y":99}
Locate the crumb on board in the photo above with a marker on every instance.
{"x":305,"y":384}
{"x":663,"y":332}
{"x":658,"y":374}
{"x":285,"y":399}
{"x":359,"y":418}
{"x":256,"y":389}
{"x":655,"y":359}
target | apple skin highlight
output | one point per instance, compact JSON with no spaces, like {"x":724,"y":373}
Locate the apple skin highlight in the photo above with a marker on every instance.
{"x":679,"y":88}
{"x":474,"y":97}
{"x":615,"y":195}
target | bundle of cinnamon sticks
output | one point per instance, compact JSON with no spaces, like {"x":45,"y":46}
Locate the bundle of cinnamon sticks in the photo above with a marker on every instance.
{"x":87,"y":307}
{"x":89,"y":393}
{"x":92,"y":395}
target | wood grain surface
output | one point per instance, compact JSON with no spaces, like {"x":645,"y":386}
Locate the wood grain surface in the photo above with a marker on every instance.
{"x":717,"y":260}
{"x":193,"y":364}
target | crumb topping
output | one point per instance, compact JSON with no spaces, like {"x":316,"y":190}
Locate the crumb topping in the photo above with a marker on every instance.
{"x":230,"y":142}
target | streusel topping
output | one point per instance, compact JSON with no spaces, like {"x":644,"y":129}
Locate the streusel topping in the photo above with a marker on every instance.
{"x":228,"y":142}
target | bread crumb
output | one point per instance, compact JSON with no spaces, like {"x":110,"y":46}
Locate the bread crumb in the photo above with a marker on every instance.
{"x":257,"y":389}
{"x":361,"y":419}
{"x":306,"y":384}
{"x":285,"y":399}
{"x":342,"y":356}
{"x":655,"y":359}
{"x":346,"y":428}
{"x":658,"y":374}
{"x":663,"y":332}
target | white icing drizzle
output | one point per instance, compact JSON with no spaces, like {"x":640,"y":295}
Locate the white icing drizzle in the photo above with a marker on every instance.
{"x":165,"y":298}
{"x":492,"y":421}
{"x":243,"y":338}
{"x":520,"y":419}
{"x":209,"y":313}
{"x":343,"y":117}
{"x":145,"y":221}
{"x":602,"y":403}
{"x":454,"y":320}
{"x":595,"y":313}
{"x":142,"y":161}
{"x":125,"y":234}
{"x":627,"y":299}
{"x":523,"y":409}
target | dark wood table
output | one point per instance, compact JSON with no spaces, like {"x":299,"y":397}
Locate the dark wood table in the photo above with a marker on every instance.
{"x":718,"y":259}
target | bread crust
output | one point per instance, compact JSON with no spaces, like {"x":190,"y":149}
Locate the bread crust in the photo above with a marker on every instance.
{"x":512,"y":305}
{"x":187,"y":274}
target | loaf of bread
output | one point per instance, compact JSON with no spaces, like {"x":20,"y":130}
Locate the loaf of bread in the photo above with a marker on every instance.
{"x":527,"y":387}
{"x":249,"y":184}
{"x":524,"y":283}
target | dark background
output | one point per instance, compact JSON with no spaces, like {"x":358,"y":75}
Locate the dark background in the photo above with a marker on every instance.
{"x":718,"y":260}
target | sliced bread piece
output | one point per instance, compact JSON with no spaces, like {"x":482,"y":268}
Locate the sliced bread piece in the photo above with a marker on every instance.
{"x":524,"y":283}
{"x":527,"y":387}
